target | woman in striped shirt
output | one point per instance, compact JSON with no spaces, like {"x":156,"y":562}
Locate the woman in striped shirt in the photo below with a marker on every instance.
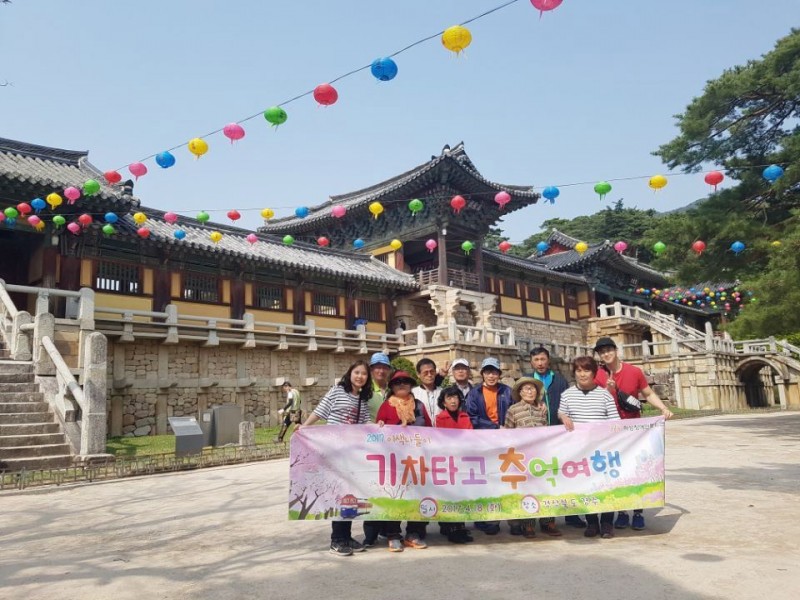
{"x":346,"y":403}
{"x":585,"y":402}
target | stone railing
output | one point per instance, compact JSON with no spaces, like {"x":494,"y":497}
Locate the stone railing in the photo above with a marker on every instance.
{"x":453,"y":332}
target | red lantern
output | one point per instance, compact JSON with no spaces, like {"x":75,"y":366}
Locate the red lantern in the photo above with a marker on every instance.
{"x":699,"y":246}
{"x":325,"y":94}
{"x":24,"y":208}
{"x":143,"y":232}
{"x":323,"y":241}
{"x":234,"y":215}
{"x":504,"y":246}
{"x":85,"y":220}
{"x":112,"y":177}
{"x":714,"y":178}
{"x":457,"y":203}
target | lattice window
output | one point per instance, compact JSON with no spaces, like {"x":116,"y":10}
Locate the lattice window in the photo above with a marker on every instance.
{"x":200,"y":288}
{"x":370,"y":310}
{"x":117,"y":277}
{"x":555,"y":298}
{"x":384,"y":258}
{"x":534,"y":293}
{"x":269,"y":298}
{"x":509,"y":288}
{"x":324,"y":304}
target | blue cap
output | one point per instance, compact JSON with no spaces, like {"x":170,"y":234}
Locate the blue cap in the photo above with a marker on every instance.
{"x":379,"y":358}
{"x":490,"y":363}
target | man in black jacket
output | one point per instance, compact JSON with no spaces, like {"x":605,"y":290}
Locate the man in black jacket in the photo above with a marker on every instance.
{"x":553,"y":386}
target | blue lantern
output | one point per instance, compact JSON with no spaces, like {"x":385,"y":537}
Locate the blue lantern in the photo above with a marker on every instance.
{"x":551,"y":193}
{"x":301,"y":212}
{"x":772,"y":173}
{"x":383,"y":69}
{"x":737,"y":247}
{"x":165,"y":160}
{"x":38,"y":205}
{"x":111,"y":218}
{"x":10,"y":223}
{"x":358,"y":244}
{"x":542,"y":247}
{"x":179,"y":234}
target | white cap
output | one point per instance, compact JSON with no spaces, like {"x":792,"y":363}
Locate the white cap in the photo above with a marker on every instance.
{"x":460,"y":362}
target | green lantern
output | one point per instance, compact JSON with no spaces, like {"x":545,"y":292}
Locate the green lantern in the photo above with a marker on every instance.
{"x":467,"y":247}
{"x":602,"y":188}
{"x":288,"y":240}
{"x":659,"y":247}
{"x":203,"y":217}
{"x":108,"y":229}
{"x":415,"y":206}
{"x":59,"y":221}
{"x":91,"y":187}
{"x":275,"y":115}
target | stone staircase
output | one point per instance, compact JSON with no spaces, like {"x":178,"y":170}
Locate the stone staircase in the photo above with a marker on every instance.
{"x":30,"y":437}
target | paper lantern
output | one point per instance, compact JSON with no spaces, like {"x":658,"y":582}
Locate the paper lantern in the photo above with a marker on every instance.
{"x":338,"y":211}
{"x":215,"y":236}
{"x":267,"y":214}
{"x":501,"y":199}
{"x":74,"y":228}
{"x":252,"y":238}
{"x":467,"y":247}
{"x":714,"y":178}
{"x":581,"y":247}
{"x":59,"y":221}
{"x":288,"y":240}
{"x":112,"y":177}
{"x":234,"y":215}
{"x":110,"y":217}
{"x":203,"y":217}
{"x":171,"y":218}
{"x":38,"y":204}
{"x":323,"y":241}
{"x":91,"y":187}
{"x":325,"y":94}
{"x":776,"y":244}
{"x":35,"y":222}
{"x":545,"y":5}
{"x":301,"y":212}
{"x":551,"y":193}
{"x":108,"y":229}
{"x":415,"y":206}
{"x":139,"y":218}
{"x":358,"y":244}
{"x":137,"y":169}
{"x":72,"y":194}
{"x":275,"y":116}
{"x":431,"y":245}
{"x":396,"y":245}
{"x":179,"y":234}
{"x":602,"y":188}
{"x":376,"y":208}
{"x":659,"y":247}
{"x":456,"y":38}
{"x":542,"y":247}
{"x":24,"y":209}
{"x":198,"y":147}
{"x":657,"y":182}
{"x":54,"y":200}
{"x":620,"y":246}
{"x":383,"y":69}
{"x":699,"y":246}
{"x":772,"y":173}
{"x":737,"y":247}
{"x":233,"y":131}
{"x":165,"y":159}
{"x":143,"y":232}
{"x":504,"y":246}
{"x":85,"y":220}
{"x":457,"y":203}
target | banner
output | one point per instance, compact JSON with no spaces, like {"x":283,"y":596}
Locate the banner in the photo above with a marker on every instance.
{"x":388,"y":473}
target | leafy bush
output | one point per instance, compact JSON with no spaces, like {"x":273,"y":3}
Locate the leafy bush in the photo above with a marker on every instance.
{"x":400,"y":363}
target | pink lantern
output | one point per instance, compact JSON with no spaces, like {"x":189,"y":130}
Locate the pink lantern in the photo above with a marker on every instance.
{"x":171,"y":218}
{"x":457,"y":203}
{"x":137,"y":169}
{"x":502,"y":198}
{"x":233,"y":131}
{"x":34,"y":221}
{"x":252,"y":238}
{"x":74,"y":228}
{"x":234,"y":215}
{"x":431,"y":245}
{"x":325,"y":94}
{"x":620,"y":246}
{"x":545,"y":5}
{"x":72,"y":194}
{"x":323,"y":241}
{"x":504,"y":246}
{"x":338,"y":211}
{"x":2,"y":217}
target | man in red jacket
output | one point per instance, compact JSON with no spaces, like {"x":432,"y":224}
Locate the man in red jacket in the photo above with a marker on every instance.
{"x":617,"y":376}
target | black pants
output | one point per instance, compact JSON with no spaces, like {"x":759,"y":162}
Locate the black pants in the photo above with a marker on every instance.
{"x":418,"y":527}
{"x":606,"y":518}
{"x":372,"y":529}
{"x":341,"y":531}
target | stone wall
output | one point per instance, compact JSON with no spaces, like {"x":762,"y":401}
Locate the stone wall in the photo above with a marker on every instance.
{"x":542,"y":332}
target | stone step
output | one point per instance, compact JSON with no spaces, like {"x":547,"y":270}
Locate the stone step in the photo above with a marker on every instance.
{"x":16,"y":366}
{"x":25,"y":417}
{"x":36,"y":439}
{"x":16,"y":377}
{"x":4,"y":354}
{"x":12,"y":465}
{"x":33,"y":451}
{"x":21,"y":397}
{"x":23,"y":407}
{"x":29,"y":428}
{"x":22,"y":386}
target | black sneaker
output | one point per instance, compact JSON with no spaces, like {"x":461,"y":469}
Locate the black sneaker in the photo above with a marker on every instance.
{"x":356,"y":546}
{"x":591,"y":531}
{"x":341,"y":548}
{"x":515,"y":529}
{"x":606,"y":531}
{"x":369,"y":542}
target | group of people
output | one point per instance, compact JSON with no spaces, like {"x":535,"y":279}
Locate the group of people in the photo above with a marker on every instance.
{"x":374,"y":392}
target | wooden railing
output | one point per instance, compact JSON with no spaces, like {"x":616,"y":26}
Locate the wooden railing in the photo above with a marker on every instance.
{"x":455,"y":278}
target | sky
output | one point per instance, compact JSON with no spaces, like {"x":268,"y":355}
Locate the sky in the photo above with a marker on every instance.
{"x":581,"y":94}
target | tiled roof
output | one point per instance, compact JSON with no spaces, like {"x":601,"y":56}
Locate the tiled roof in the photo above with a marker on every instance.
{"x":298,"y":257}
{"x":451,"y":162}
{"x":530,"y":266}
{"x":57,"y":169}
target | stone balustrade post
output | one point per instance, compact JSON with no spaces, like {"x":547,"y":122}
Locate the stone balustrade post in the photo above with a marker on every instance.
{"x":20,"y":340}
{"x":452,"y":330}
{"x":93,"y":412}
{"x":85,"y":320}
{"x":127,"y":327}
{"x":617,"y":309}
{"x":420,"y":335}
{"x":311,"y":330}
{"x":250,"y":330}
{"x":44,"y":325}
{"x":512,"y":341}
{"x":212,"y":339}
{"x":42,"y":302}
{"x":362,"y":339}
{"x":171,"y":311}
{"x":645,"y":348}
{"x":603,"y":309}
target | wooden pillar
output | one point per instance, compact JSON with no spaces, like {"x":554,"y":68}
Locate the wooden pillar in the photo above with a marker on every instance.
{"x":162,"y":288}
{"x":237,"y":298}
{"x":399,"y":260}
{"x":49,"y":265}
{"x":350,"y":292}
{"x":70,"y":278}
{"x":479,"y":263}
{"x":299,"y":304}
{"x":390,"y":296}
{"x":565,"y":299}
{"x":442,"y":247}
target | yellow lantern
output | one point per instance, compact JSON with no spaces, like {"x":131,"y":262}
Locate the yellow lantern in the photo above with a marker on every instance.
{"x":581,"y":247}
{"x":376,"y":208}
{"x":215,"y":236}
{"x":139,"y":218}
{"x":54,"y":200}
{"x":396,"y":244}
{"x":267,"y":214}
{"x":198,"y":147}
{"x":776,"y":244}
{"x":456,"y":38}
{"x":657,"y":182}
